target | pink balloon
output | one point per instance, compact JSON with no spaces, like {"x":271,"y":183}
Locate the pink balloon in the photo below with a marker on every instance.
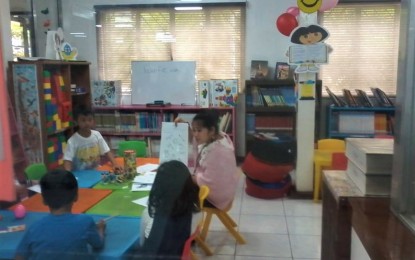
{"x":20,"y":211}
{"x":293,"y":10}
{"x":286,"y":23}
{"x":327,"y":5}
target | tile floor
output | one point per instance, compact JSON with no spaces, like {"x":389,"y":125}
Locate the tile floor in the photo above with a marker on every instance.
{"x":279,"y":229}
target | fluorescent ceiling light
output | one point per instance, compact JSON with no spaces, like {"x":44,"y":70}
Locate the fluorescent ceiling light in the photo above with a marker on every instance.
{"x":187,"y":8}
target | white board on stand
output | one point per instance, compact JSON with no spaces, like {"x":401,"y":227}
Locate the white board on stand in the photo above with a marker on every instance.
{"x":170,"y":81}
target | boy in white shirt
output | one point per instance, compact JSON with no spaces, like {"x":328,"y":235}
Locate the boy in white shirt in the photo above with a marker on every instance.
{"x":86,"y":146}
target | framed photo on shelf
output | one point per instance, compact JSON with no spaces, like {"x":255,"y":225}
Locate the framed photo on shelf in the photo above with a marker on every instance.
{"x":282,"y":70}
{"x":259,"y":69}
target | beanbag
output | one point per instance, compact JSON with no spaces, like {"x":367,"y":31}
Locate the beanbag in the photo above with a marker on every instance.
{"x":262,"y":190}
{"x":265,"y":172}
{"x":275,"y":151}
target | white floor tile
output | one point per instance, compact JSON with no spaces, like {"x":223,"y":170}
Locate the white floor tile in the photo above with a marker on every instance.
{"x":267,"y":245}
{"x":221,"y":243}
{"x":304,"y":225}
{"x":302,"y":208}
{"x":304,"y":246}
{"x":251,"y":205}
{"x":263,"y":224}
{"x":261,"y":258}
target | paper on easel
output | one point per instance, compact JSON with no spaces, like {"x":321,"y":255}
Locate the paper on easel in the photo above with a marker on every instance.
{"x":174,"y":143}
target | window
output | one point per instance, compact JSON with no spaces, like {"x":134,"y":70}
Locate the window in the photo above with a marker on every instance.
{"x":365,"y":43}
{"x":213,"y":37}
{"x":21,"y":28}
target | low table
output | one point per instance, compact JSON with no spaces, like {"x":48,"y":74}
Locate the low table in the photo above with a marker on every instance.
{"x":121,"y":234}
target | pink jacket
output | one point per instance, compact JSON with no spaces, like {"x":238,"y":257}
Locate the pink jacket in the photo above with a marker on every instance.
{"x":217,"y":170}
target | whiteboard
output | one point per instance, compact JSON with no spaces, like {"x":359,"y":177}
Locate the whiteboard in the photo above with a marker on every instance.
{"x":171,"y":81}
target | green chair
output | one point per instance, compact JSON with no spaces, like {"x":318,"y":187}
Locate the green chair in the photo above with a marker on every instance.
{"x":138,"y":146}
{"x":35,"y":171}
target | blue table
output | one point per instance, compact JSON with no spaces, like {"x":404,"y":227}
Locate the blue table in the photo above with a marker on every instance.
{"x":121,"y":234}
{"x":87,"y":178}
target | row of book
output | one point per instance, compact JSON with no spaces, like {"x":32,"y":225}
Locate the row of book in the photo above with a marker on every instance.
{"x":144,"y":122}
{"x":255,"y":123}
{"x":270,"y":97}
{"x":352,"y":122}
{"x":131,"y":122}
{"x":361,"y":99}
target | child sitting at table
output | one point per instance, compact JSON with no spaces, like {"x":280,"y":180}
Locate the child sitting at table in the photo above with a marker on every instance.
{"x":166,"y":223}
{"x":86,"y":146}
{"x":61,"y":235}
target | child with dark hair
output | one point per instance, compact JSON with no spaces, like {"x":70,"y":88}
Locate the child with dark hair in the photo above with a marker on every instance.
{"x":61,"y":235}
{"x":166,"y":223}
{"x":214,"y":159}
{"x":86,"y":146}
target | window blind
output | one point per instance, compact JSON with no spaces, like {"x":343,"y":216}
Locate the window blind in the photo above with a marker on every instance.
{"x":365,"y":43}
{"x":213,"y":37}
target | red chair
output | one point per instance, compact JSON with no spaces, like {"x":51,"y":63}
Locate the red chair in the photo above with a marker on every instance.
{"x":338,"y":161}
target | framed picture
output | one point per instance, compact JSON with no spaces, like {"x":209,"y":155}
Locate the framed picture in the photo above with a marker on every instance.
{"x":282,"y":70}
{"x":259,"y":69}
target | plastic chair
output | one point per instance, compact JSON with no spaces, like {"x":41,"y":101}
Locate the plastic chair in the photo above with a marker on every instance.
{"x":187,"y":250}
{"x":225,"y":219}
{"x":323,"y":158}
{"x":138,"y":146}
{"x":35,"y":171}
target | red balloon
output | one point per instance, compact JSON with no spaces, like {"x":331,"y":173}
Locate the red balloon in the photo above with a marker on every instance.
{"x":286,"y":23}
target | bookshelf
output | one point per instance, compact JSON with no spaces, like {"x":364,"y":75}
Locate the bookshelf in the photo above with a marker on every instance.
{"x":345,"y":122}
{"x":275,"y":114}
{"x":132,"y":122}
{"x":42,"y":99}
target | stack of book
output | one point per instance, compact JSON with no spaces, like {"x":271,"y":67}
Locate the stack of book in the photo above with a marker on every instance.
{"x":369,"y":164}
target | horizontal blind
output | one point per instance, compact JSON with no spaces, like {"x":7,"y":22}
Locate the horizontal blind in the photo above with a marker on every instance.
{"x":213,"y":37}
{"x":365,"y":43}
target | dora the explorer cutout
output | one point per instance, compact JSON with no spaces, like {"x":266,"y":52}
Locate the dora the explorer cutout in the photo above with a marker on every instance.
{"x":310,"y":49}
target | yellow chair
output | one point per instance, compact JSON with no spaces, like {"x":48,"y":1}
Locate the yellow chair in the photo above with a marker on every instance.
{"x":35,"y":172}
{"x":187,"y":251}
{"x":323,"y":158}
{"x":138,"y":146}
{"x":225,"y":219}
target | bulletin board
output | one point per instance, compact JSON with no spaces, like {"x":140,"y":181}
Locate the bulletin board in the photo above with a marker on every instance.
{"x":170,"y":81}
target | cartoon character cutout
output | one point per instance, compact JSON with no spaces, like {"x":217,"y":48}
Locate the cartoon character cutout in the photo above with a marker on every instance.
{"x":310,"y":49}
{"x":309,"y":6}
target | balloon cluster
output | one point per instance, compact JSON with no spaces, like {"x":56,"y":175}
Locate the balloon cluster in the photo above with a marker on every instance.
{"x":287,"y":21}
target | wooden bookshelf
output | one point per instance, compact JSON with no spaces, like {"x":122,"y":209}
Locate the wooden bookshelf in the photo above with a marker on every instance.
{"x":129,"y":122}
{"x":42,"y":100}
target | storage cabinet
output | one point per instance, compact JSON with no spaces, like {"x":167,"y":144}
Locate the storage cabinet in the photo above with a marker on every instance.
{"x":130,"y":122}
{"x":43,"y":101}
{"x":270,"y":108}
{"x":345,"y":122}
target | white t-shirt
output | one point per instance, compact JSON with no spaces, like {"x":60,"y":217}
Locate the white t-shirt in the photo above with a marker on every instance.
{"x":85,"y":152}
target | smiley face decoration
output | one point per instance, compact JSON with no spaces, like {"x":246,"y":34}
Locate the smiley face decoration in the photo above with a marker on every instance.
{"x":309,"y":6}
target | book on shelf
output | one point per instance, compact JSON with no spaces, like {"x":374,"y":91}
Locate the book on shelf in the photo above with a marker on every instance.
{"x":363,"y":98}
{"x":338,"y":102}
{"x":259,"y":69}
{"x":288,"y":93}
{"x":282,"y":70}
{"x":250,"y":123}
{"x":272,"y":97}
{"x":350,"y":100}
{"x":256,"y":97}
{"x":223,"y":92}
{"x":204,"y":93}
{"x":381,"y":97}
{"x":106,"y":92}
{"x":225,"y":122}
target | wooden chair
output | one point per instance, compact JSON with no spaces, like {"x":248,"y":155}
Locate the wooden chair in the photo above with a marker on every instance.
{"x":35,"y":172}
{"x":138,"y":146}
{"x":225,"y":219}
{"x":195,"y":236}
{"x":323,"y":158}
